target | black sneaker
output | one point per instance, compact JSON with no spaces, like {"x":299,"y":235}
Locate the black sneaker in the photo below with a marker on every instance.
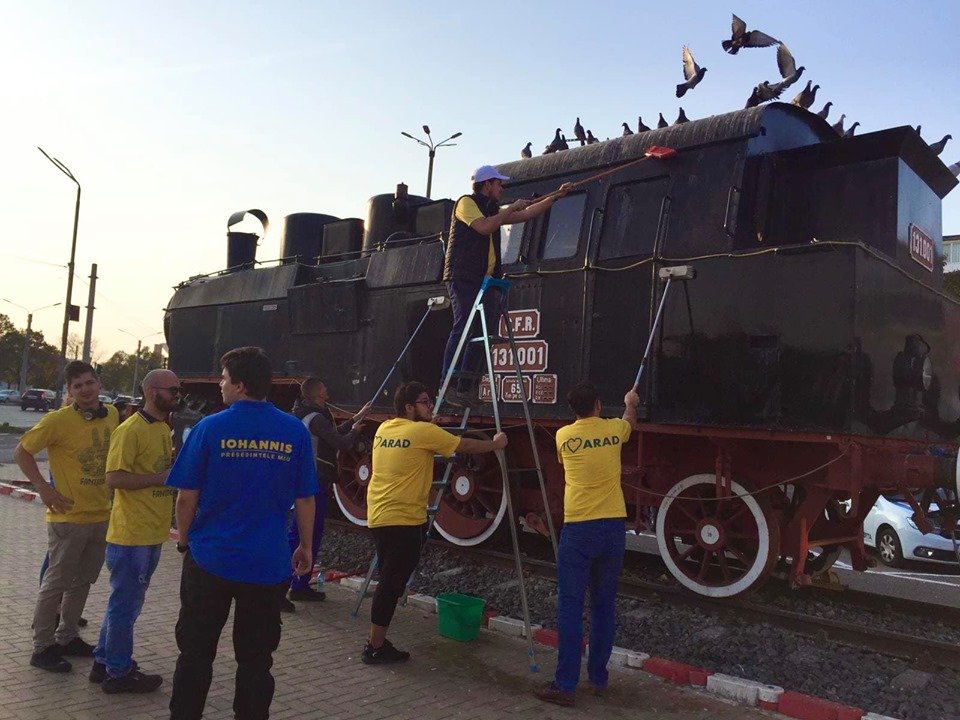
{"x":51,"y":660}
{"x":307,"y":595}
{"x":286,"y":606}
{"x":82,"y":622}
{"x":76,"y":648}
{"x":384,"y":654}
{"x":133,"y":682}
{"x":98,"y":673}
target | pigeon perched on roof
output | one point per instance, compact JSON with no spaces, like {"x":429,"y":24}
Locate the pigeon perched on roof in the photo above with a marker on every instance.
{"x":764,"y":92}
{"x":662,"y":123}
{"x":579,"y":134}
{"x":692,"y":73}
{"x":681,"y":118}
{"x":826,"y":110}
{"x":938,"y":147}
{"x":626,"y":130}
{"x":563,"y":143}
{"x":788,"y":66}
{"x":917,"y":128}
{"x":640,"y":126}
{"x":838,"y":125}
{"x":740,"y":37}
{"x":806,"y":96}
{"x":558,"y":143}
{"x":590,"y":138}
{"x":526,"y":153}
{"x":955,"y":169}
{"x":851,"y":130}
{"x":549,"y":149}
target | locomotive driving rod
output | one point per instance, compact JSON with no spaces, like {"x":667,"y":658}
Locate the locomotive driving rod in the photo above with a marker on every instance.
{"x":657,"y":152}
{"x":677,"y":272}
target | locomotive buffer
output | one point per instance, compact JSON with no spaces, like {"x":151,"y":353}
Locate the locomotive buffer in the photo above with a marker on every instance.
{"x":444,"y":484}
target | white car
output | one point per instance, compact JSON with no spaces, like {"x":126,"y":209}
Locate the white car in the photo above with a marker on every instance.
{"x":890,"y":529}
{"x":9,"y":397}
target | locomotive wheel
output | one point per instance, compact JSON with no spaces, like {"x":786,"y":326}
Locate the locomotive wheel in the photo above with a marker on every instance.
{"x":350,"y":490}
{"x":474,"y":505}
{"x":716,"y":547}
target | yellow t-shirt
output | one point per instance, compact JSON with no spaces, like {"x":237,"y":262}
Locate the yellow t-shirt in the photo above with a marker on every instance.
{"x":467,"y":212}
{"x":589,"y":451}
{"x":77,"y":450}
{"x":141,"y":517}
{"x":403,"y":453}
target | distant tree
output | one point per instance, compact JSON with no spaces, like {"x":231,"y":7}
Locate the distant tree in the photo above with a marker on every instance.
{"x":116,"y":373}
{"x":43,"y":366}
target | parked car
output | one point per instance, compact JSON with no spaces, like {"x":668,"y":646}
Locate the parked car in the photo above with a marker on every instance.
{"x":38,"y":399}
{"x":890,"y":529}
{"x":106,"y":399}
{"x":9,"y":397}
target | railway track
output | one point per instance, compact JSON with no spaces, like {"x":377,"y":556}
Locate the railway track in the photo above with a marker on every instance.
{"x":923,"y":652}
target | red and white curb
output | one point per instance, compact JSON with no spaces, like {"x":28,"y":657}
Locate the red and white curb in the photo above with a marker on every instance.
{"x":746,"y":692}
{"x":18,"y":492}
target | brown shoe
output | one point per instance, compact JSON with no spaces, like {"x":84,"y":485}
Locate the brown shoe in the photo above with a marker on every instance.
{"x":552,"y":694}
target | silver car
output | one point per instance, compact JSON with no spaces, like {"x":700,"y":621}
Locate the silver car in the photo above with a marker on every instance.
{"x":9,"y":397}
{"x":890,"y":529}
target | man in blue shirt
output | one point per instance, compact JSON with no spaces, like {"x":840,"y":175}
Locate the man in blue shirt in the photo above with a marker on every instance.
{"x":238,"y":473}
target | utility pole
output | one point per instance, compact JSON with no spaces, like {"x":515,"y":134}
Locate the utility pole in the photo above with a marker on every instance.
{"x":25,"y":358}
{"x":88,"y":331}
{"x":136,"y":370}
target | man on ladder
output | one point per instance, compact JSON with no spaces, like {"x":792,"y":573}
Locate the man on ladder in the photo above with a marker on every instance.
{"x":397,"y":498}
{"x":473,"y":251}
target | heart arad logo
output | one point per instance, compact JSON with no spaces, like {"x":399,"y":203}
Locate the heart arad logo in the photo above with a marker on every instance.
{"x":377,"y":441}
{"x":574,"y":444}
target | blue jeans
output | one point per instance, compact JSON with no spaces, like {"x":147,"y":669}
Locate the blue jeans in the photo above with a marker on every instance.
{"x":131,"y":567}
{"x":302,"y":582}
{"x":590,"y":555}
{"x":463,"y":294}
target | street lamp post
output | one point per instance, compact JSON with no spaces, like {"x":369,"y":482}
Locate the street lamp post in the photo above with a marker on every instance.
{"x":432,"y":148}
{"x":25,"y":358}
{"x":136,"y":361}
{"x":73,"y":252}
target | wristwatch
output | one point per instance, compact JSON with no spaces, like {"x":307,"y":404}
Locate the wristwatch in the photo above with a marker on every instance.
{"x":181,"y":547}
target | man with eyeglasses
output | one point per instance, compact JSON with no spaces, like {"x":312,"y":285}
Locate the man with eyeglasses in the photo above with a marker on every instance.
{"x":403,"y":452}
{"x":473,"y":251}
{"x":139,"y":460}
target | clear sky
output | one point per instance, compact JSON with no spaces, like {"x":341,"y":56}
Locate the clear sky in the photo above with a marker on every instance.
{"x":173,"y":115}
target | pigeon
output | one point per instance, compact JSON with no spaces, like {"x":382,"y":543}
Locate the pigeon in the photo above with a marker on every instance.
{"x":579,"y":134}
{"x":549,"y":149}
{"x":640,"y":126}
{"x":788,"y":66}
{"x":626,"y":130}
{"x":525,"y":153}
{"x":661,"y":123}
{"x":563,"y":143}
{"x":851,"y":130}
{"x":558,"y":143}
{"x":590,"y":138}
{"x":826,"y":111}
{"x":938,"y":147}
{"x":681,"y":118}
{"x":918,"y":129}
{"x":955,"y":169}
{"x":807,"y":96}
{"x":764,"y":92}
{"x":740,"y":37}
{"x":692,"y":73}
{"x":838,"y":125}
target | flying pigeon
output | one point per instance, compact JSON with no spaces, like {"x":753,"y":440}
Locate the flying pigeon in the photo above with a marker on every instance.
{"x":626,"y":130}
{"x":525,"y":153}
{"x":851,"y":130}
{"x":640,"y":126}
{"x":938,"y":147}
{"x":838,"y":125}
{"x":661,"y":123}
{"x":692,"y":73}
{"x":826,"y":110}
{"x":579,"y":134}
{"x":788,"y":66}
{"x":806,"y":96}
{"x":764,"y":92}
{"x":740,"y":37}
{"x":955,"y":169}
{"x":590,"y":138}
{"x":681,"y":118}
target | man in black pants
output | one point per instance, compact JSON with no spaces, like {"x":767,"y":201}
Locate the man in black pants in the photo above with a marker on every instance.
{"x":403,"y":451}
{"x":238,"y":473}
{"x":328,"y":438}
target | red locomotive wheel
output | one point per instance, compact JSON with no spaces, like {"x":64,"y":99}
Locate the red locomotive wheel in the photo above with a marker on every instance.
{"x":474,"y":505}
{"x":350,"y":490}
{"x":718,"y":547}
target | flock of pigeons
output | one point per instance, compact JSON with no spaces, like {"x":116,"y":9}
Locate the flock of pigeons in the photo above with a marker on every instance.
{"x":765,"y":91}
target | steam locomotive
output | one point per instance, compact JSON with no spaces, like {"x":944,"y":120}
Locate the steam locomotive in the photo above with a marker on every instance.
{"x":813,"y":363}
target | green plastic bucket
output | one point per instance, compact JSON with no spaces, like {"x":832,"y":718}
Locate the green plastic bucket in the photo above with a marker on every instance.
{"x":459,"y":616}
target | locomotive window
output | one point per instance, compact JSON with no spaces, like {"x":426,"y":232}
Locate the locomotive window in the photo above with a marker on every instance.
{"x":511,"y":238}
{"x":631,"y":219}
{"x":563,"y":227}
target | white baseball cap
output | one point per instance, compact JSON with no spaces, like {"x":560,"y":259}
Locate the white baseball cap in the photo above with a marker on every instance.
{"x":486,"y":172}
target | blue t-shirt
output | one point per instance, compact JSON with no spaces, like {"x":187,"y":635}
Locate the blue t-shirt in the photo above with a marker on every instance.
{"x":249,"y":463}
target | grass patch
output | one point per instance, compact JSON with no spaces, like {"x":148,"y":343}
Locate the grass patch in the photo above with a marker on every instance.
{"x":11,"y":430}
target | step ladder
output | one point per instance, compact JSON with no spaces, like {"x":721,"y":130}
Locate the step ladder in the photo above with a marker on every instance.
{"x":443,"y":485}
